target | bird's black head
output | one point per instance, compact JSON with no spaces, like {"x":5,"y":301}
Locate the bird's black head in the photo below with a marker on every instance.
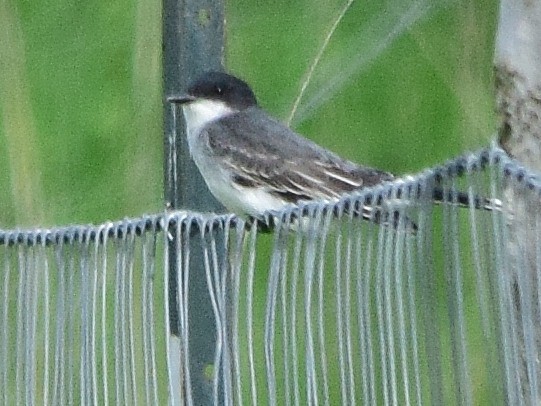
{"x":220,"y":86}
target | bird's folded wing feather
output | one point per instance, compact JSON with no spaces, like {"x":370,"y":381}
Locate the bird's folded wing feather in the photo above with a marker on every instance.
{"x":267,"y":154}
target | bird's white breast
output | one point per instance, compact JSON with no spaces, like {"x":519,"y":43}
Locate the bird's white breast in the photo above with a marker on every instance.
{"x":238,"y":199}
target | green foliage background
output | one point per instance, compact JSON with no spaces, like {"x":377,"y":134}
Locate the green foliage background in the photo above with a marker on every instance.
{"x":81,"y":93}
{"x":81,"y":103}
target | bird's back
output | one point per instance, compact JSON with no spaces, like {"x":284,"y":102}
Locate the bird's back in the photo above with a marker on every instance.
{"x":268,"y":149}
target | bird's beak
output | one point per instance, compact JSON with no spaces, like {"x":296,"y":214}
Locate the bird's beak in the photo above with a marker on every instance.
{"x":182,"y":98}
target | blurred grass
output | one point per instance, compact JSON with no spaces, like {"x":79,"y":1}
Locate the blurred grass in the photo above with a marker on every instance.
{"x":81,"y":115}
{"x":22,"y":161}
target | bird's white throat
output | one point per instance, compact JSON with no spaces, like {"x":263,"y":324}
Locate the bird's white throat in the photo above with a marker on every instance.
{"x":201,"y":112}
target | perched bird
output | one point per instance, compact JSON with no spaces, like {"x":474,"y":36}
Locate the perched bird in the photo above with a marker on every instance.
{"x":252,"y":163}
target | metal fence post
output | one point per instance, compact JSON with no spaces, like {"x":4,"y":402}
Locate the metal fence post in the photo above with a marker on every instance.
{"x":193,"y":41}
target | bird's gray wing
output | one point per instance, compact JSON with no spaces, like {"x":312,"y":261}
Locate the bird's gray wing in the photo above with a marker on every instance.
{"x":264,"y":153}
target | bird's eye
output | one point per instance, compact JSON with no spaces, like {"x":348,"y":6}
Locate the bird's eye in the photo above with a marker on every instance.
{"x":219,"y":90}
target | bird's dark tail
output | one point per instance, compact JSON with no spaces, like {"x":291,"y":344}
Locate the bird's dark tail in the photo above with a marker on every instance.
{"x":372,"y":209}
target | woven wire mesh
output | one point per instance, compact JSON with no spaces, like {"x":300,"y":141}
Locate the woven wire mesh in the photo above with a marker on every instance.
{"x":324,"y":310}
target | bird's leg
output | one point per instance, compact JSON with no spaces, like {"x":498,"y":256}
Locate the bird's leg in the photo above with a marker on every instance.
{"x":265,"y":226}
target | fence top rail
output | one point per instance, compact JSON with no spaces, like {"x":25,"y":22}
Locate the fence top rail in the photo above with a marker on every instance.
{"x":410,"y":186}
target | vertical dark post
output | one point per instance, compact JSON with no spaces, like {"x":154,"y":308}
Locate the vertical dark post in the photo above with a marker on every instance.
{"x":193,"y":41}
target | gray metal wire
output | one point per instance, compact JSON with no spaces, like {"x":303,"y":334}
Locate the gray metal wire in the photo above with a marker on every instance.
{"x":327,"y":309}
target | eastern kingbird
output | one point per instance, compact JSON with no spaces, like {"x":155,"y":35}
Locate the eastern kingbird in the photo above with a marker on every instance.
{"x":253,"y":163}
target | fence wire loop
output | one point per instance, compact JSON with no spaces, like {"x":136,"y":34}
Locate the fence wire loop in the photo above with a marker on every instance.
{"x":379,"y":297}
